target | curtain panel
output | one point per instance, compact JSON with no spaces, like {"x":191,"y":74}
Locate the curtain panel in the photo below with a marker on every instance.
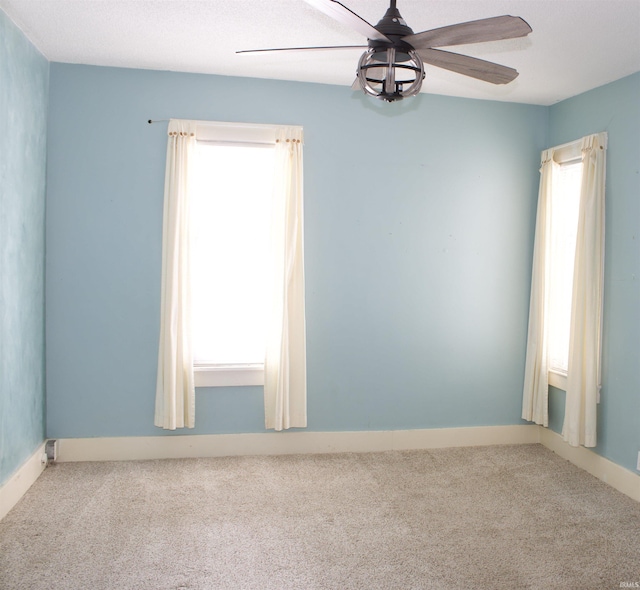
{"x":285,"y":369}
{"x":535,"y":402}
{"x":584,"y":374}
{"x":175,"y":391}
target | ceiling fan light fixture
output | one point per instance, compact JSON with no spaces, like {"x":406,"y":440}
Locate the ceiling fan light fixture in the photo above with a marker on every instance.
{"x":393,"y":68}
{"x":390,"y":75}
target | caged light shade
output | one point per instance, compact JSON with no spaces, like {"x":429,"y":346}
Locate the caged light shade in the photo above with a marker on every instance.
{"x":390,"y":75}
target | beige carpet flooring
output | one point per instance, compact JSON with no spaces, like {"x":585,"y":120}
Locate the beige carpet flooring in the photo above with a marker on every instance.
{"x":505,"y":517}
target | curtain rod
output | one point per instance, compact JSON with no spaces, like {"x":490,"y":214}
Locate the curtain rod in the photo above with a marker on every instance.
{"x":157,"y":121}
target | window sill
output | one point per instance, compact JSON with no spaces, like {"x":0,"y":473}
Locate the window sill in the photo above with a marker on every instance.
{"x":557,"y":379}
{"x":228,"y":375}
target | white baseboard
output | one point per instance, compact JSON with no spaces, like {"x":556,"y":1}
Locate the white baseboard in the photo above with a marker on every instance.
{"x":281,"y":443}
{"x":611,"y":473}
{"x":221,"y":445}
{"x":18,"y":484}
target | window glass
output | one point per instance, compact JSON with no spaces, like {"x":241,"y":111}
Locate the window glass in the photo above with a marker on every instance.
{"x":231,"y":210}
{"x":565,"y":201}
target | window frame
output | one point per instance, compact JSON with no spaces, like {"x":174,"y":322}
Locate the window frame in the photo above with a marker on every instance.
{"x":251,"y":135}
{"x":569,"y":153}
{"x":210,"y":375}
{"x":557,"y":379}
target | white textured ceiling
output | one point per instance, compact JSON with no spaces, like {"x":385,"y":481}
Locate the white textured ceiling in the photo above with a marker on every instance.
{"x":576,"y":45}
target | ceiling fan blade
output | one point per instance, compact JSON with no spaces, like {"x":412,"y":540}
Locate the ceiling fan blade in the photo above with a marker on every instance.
{"x":468,"y":66}
{"x":343,"y":15}
{"x":475,"y":31}
{"x":303,"y":48}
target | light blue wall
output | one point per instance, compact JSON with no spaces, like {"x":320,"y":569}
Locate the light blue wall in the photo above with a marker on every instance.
{"x":614,"y":108}
{"x":419,"y":230}
{"x":24,"y":78}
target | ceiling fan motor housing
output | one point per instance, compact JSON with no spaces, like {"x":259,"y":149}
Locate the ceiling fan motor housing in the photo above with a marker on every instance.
{"x":394,"y":27}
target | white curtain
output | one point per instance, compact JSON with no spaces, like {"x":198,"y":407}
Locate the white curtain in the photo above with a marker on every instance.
{"x":285,"y":372}
{"x":175,"y":393}
{"x":583,"y":376}
{"x":535,"y":406}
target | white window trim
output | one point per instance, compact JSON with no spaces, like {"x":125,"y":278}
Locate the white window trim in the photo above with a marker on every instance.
{"x":557,"y":379}
{"x":236,"y":133}
{"x":228,"y":375}
{"x":568,"y":152}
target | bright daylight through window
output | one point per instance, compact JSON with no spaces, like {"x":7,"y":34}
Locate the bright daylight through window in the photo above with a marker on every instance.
{"x":565,"y":202}
{"x":230,"y":223}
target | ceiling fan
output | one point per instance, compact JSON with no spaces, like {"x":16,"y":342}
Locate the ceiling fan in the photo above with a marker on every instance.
{"x":392,"y":67}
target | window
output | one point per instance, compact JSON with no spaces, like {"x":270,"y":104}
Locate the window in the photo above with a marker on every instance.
{"x":565,"y":310}
{"x":231,"y":203}
{"x":564,"y":208}
{"x":283,"y":340}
